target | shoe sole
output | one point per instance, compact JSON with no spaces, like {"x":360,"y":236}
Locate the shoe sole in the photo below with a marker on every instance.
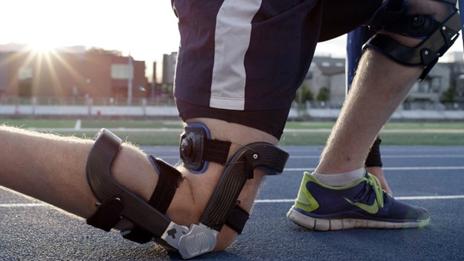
{"x":320,"y":224}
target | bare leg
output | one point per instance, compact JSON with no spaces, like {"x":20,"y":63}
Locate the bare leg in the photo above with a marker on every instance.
{"x":363,"y":116}
{"x":52,"y":169}
{"x":379,"y":87}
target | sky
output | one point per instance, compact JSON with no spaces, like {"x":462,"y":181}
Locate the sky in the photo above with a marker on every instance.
{"x":143,"y":28}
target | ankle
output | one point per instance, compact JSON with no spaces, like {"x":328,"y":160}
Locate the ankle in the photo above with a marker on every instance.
{"x":340,"y":179}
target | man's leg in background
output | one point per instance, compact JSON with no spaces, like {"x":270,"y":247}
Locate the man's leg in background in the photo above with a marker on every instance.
{"x":355,"y":41}
{"x":339,"y":195}
{"x":379,"y":87}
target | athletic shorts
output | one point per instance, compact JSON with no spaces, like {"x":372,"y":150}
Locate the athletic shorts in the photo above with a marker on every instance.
{"x":243,"y":60}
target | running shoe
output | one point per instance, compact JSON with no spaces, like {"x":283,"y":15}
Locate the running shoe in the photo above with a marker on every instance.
{"x":362,"y":204}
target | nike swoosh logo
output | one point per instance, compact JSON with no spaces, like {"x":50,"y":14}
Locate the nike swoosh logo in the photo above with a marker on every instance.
{"x":371,"y":209}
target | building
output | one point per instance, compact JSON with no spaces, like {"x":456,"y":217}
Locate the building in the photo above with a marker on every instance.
{"x":426,"y":94}
{"x":93,"y":73}
{"x":457,"y":78}
{"x":327,"y":72}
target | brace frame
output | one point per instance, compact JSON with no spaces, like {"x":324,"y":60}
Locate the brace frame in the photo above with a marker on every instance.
{"x":429,"y":50}
{"x":116,"y":203}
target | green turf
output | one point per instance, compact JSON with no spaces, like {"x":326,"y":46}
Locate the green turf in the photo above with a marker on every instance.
{"x":426,"y":125}
{"x":171,"y":137}
{"x":38,"y":123}
{"x":106,"y":123}
{"x":130,"y":124}
{"x":90,"y":123}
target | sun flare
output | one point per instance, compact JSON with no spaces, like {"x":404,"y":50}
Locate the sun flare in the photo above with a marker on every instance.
{"x":42,"y":47}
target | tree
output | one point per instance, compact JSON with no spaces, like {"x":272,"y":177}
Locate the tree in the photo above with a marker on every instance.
{"x":304,"y":94}
{"x":324,"y":94}
{"x":448,"y":96}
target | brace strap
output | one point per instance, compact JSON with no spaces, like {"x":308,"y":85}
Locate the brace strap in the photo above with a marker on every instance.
{"x":216,"y":151}
{"x":237,"y":218}
{"x":168,"y":182}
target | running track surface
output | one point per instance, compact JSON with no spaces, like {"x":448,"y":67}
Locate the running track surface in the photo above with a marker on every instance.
{"x":432,"y":177}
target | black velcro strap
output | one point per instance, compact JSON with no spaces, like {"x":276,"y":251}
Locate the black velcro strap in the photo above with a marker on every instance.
{"x":107,"y":215}
{"x":168,"y":181}
{"x":216,"y":151}
{"x":237,"y":219}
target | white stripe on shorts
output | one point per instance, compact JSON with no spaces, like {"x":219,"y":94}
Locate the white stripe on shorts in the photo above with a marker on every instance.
{"x":232,"y":39}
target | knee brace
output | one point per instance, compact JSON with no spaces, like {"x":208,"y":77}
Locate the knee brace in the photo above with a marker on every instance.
{"x":146,"y":221}
{"x":437,"y":36}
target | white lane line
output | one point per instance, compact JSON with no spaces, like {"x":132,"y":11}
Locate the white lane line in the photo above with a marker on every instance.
{"x":260,"y":201}
{"x":430,"y":197}
{"x":405,"y":198}
{"x":392,"y":168}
